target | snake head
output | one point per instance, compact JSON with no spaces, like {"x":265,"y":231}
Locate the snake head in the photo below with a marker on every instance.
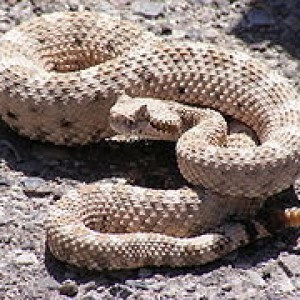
{"x":145,"y":118}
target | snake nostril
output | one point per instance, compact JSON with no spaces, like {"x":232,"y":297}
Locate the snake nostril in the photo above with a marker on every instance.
{"x":130,"y":122}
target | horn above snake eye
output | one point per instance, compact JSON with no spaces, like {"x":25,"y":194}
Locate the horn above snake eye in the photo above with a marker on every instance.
{"x":142,"y":112}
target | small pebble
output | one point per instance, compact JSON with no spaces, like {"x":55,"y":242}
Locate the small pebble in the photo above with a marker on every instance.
{"x":120,"y":291}
{"x":137,"y":284}
{"x":256,"y":279}
{"x":32,"y":183}
{"x":26,"y":259}
{"x":3,"y":216}
{"x":35,"y":186}
{"x":227,"y":287}
{"x":90,"y":296}
{"x":286,"y":285}
{"x":120,"y":2}
{"x":211,"y":35}
{"x":69,"y":288}
{"x":4,"y":181}
{"x":147,"y":8}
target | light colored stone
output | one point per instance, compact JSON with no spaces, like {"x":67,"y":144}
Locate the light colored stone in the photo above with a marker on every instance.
{"x":256,"y":279}
{"x":149,"y":9}
{"x":25,"y":259}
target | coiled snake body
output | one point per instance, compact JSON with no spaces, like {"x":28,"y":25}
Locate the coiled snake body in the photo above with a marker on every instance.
{"x":61,"y":74}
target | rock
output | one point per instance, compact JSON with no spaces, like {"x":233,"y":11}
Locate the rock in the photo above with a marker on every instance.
{"x":194,"y":34}
{"x":137,"y":284}
{"x":68,"y":288}
{"x":190,"y":287}
{"x":291,"y":69}
{"x":104,"y":6}
{"x":12,"y":2}
{"x":49,"y":283}
{"x":158,"y":286}
{"x":296,"y":248}
{"x":286,"y":285}
{"x":178,"y":34}
{"x":259,"y":17}
{"x":211,"y":34}
{"x":32,"y":183}
{"x":166,"y":29}
{"x":5,"y":25}
{"x":250,"y":293}
{"x":6,"y":239}
{"x":159,"y":28}
{"x":120,"y":2}
{"x":3,"y":271}
{"x":120,"y":291}
{"x":90,"y":296}
{"x":2,"y":13}
{"x":34,"y":186}
{"x":206,"y":2}
{"x":289,"y":263}
{"x":73,"y":5}
{"x":89,"y":286}
{"x":25,"y":259}
{"x":256,"y":279}
{"x":29,"y":244}
{"x":148,"y":9}
{"x":260,"y":46}
{"x":227,"y":287}
{"x":297,"y":283}
{"x":4,"y":219}
{"x":4,"y":181}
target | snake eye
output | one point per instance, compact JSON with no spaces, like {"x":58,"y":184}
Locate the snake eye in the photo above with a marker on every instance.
{"x":131,"y":123}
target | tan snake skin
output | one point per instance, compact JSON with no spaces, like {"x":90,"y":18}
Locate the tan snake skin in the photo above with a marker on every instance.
{"x":50,"y":73}
{"x":60,"y":75}
{"x":109,"y":226}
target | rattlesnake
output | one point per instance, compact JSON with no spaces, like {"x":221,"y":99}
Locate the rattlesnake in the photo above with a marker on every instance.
{"x":116,"y":226}
{"x":60,"y":74}
{"x":51,"y":69}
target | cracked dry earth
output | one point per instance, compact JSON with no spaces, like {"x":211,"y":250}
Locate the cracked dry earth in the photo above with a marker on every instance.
{"x":33,"y":175}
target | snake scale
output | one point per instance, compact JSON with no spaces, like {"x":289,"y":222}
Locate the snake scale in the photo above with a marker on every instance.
{"x":63,"y":75}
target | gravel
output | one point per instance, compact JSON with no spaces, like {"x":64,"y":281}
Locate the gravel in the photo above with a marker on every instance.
{"x":33,"y":174}
{"x":69,"y":288}
{"x":148,"y":9}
